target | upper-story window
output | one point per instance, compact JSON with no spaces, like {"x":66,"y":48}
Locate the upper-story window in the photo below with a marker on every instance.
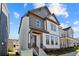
{"x":53,"y":27}
{"x":38,"y":23}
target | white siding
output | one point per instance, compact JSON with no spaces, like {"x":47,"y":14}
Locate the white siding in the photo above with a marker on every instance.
{"x":24,"y":33}
{"x":70,"y":33}
{"x":51,"y":33}
{"x":50,"y":46}
{"x":49,"y":28}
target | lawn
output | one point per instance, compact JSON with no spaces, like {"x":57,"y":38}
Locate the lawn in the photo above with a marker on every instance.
{"x":62,"y":51}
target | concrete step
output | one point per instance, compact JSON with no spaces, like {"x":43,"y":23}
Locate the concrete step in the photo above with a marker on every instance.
{"x":42,"y":52}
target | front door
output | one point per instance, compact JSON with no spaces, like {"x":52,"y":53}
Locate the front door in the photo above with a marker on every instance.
{"x":34,"y":40}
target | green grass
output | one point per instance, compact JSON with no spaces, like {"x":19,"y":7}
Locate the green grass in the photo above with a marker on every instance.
{"x":61,"y":51}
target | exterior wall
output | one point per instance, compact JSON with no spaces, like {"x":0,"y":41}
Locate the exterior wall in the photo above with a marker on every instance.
{"x":17,"y":45}
{"x":63,"y":43}
{"x":24,"y":33}
{"x":70,"y":33}
{"x":49,"y":28}
{"x":6,"y":12}
{"x":70,"y":42}
{"x":66,"y":38}
{"x":32,"y":19}
{"x":0,"y":8}
{"x":41,"y":12}
{"x":10,"y":45}
{"x":60,"y":31}
{"x":52,"y":18}
{"x":51,"y":33}
{"x":50,"y":46}
{"x":13,"y":44}
{"x":76,"y":42}
{"x":4,"y":29}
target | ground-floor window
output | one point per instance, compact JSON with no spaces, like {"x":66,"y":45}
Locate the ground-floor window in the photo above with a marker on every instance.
{"x":52,"y":40}
{"x":47,"y":39}
{"x":56,"y":40}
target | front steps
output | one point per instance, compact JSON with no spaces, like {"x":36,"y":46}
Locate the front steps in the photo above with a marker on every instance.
{"x":33,"y":52}
{"x":42,"y":52}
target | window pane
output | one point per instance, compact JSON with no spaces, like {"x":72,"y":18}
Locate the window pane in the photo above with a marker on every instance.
{"x":56,"y":40}
{"x":52,"y":40}
{"x":53,"y":27}
{"x":47,"y":39}
{"x":37,"y":23}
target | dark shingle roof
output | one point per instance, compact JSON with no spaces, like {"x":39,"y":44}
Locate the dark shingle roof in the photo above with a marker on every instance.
{"x":67,"y":28}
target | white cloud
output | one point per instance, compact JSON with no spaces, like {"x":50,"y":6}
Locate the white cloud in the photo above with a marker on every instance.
{"x":16,"y":15}
{"x":76,"y":28}
{"x":64,"y":25}
{"x":76,"y":22}
{"x":58,"y":9}
{"x":25,"y":4}
{"x":37,"y":5}
{"x":76,"y":35}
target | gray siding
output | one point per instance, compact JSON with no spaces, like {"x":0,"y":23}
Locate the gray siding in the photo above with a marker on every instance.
{"x":3,"y":32}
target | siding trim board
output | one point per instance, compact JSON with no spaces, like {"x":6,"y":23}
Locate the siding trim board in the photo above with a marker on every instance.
{"x":35,"y":15}
{"x":39,"y":30}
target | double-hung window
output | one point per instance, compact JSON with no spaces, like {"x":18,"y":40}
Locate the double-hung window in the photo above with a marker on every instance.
{"x":37,"y":23}
{"x":47,"y":39}
{"x":52,"y":40}
{"x":56,"y":40}
{"x":53,"y":27}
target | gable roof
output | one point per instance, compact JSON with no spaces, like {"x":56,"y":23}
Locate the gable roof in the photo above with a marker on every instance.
{"x":41,"y":8}
{"x":56,"y":19}
{"x":67,"y":28}
{"x":51,"y":16}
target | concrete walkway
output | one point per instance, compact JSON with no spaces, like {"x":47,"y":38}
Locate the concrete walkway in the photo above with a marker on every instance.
{"x":69,"y":54}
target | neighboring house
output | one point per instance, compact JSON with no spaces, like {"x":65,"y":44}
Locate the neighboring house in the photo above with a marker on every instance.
{"x":76,"y":42}
{"x":13,"y":45}
{"x":66,"y":37}
{"x":39,"y":29}
{"x":4,"y":28}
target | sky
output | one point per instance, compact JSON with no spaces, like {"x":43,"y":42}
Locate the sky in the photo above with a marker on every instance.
{"x":66,"y":13}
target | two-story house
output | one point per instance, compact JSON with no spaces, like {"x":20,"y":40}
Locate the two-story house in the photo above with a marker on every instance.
{"x":39,"y":29}
{"x":4,"y":28}
{"x":67,"y":37}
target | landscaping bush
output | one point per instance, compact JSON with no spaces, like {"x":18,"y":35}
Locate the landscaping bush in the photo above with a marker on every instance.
{"x":11,"y":53}
{"x":60,"y":51}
